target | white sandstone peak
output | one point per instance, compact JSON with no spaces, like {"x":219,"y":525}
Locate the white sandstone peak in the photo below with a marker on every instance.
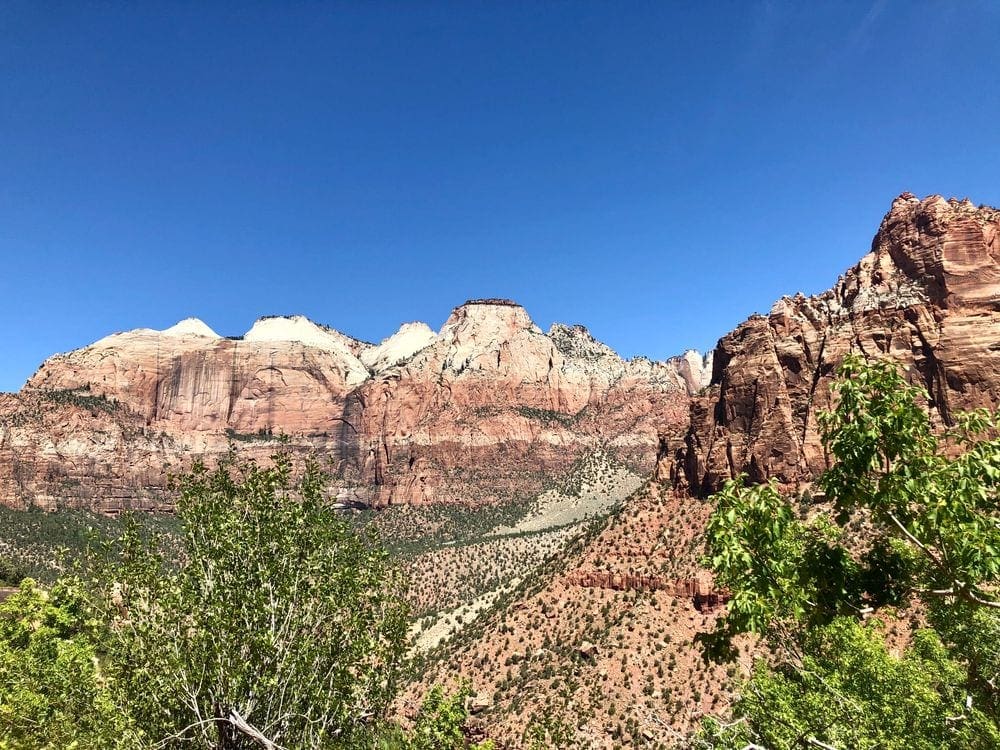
{"x":476,"y":331}
{"x":186,"y":328}
{"x":403,"y":344}
{"x":294,"y":328}
{"x":299,"y":329}
{"x":694,"y":368}
{"x":191,"y":327}
{"x":700,"y":368}
{"x":486,"y":317}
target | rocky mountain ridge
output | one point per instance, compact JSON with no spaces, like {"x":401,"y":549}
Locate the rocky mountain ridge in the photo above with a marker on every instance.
{"x":601,"y":643}
{"x":478,"y":411}
{"x":927,"y":295}
{"x":487,"y":406}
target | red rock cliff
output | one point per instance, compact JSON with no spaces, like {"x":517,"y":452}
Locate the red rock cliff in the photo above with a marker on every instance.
{"x":927,"y":296}
{"x":482,"y":410}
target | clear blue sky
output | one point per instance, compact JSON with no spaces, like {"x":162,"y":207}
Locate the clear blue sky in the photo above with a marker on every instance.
{"x":657,"y":171}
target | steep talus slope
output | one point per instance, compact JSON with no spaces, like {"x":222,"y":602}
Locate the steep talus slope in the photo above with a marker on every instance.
{"x":598,"y":642}
{"x":927,"y":296}
{"x":480,"y":411}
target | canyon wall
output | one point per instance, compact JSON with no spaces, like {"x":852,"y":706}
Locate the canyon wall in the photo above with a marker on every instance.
{"x":490,"y":405}
{"x":482,"y":410}
{"x":926,"y":296}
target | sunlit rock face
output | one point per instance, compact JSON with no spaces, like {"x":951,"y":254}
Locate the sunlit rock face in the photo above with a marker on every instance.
{"x":492,"y":404}
{"x":926,"y":296}
{"x":482,"y":410}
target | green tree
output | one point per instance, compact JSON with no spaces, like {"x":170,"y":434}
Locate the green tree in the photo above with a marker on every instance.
{"x":54,"y":690}
{"x":439,"y":725}
{"x":846,"y":690}
{"x":908,"y":514}
{"x":280,"y":625}
{"x":549,"y":732}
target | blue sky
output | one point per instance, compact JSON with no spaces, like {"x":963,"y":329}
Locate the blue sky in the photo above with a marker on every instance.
{"x":656,"y":171}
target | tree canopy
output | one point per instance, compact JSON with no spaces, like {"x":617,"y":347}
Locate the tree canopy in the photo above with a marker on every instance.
{"x":905,"y":517}
{"x":54,"y":690}
{"x":273,"y":623}
{"x":279,"y":618}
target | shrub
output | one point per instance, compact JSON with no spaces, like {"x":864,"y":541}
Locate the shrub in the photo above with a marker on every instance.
{"x":54,"y":691}
{"x":279,"y":620}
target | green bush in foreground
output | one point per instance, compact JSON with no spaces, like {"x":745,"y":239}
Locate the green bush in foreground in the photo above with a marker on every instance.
{"x":54,"y":691}
{"x":279,"y":621}
{"x":438,"y":725}
{"x":271,"y":623}
{"x":849,"y":691}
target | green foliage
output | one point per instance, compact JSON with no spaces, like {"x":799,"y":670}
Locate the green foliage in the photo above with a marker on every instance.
{"x":11,"y":572}
{"x":546,"y":416}
{"x":925,"y":524}
{"x":54,"y":692}
{"x":549,"y":732}
{"x":907,"y":515}
{"x":973,"y":635}
{"x":262,"y":435}
{"x":412,"y":530}
{"x":438,"y":726}
{"x":45,"y":545}
{"x":439,"y":723}
{"x":777,"y":567}
{"x":82,"y":397}
{"x":891,"y":468}
{"x":849,"y":691}
{"x":278,"y":615}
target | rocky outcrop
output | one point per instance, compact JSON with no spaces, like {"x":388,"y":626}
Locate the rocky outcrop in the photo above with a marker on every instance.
{"x":703,"y":595}
{"x":927,"y":296}
{"x":480,"y":411}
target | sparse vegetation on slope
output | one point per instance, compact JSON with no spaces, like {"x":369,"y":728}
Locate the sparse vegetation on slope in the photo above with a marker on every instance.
{"x":46,"y":545}
{"x":81,"y":397}
{"x":567,"y":663}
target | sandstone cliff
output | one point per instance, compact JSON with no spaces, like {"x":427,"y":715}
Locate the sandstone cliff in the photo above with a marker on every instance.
{"x":927,"y":296}
{"x":479,"y":411}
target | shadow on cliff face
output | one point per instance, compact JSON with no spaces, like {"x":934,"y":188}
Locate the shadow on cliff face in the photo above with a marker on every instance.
{"x":925,"y":296}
